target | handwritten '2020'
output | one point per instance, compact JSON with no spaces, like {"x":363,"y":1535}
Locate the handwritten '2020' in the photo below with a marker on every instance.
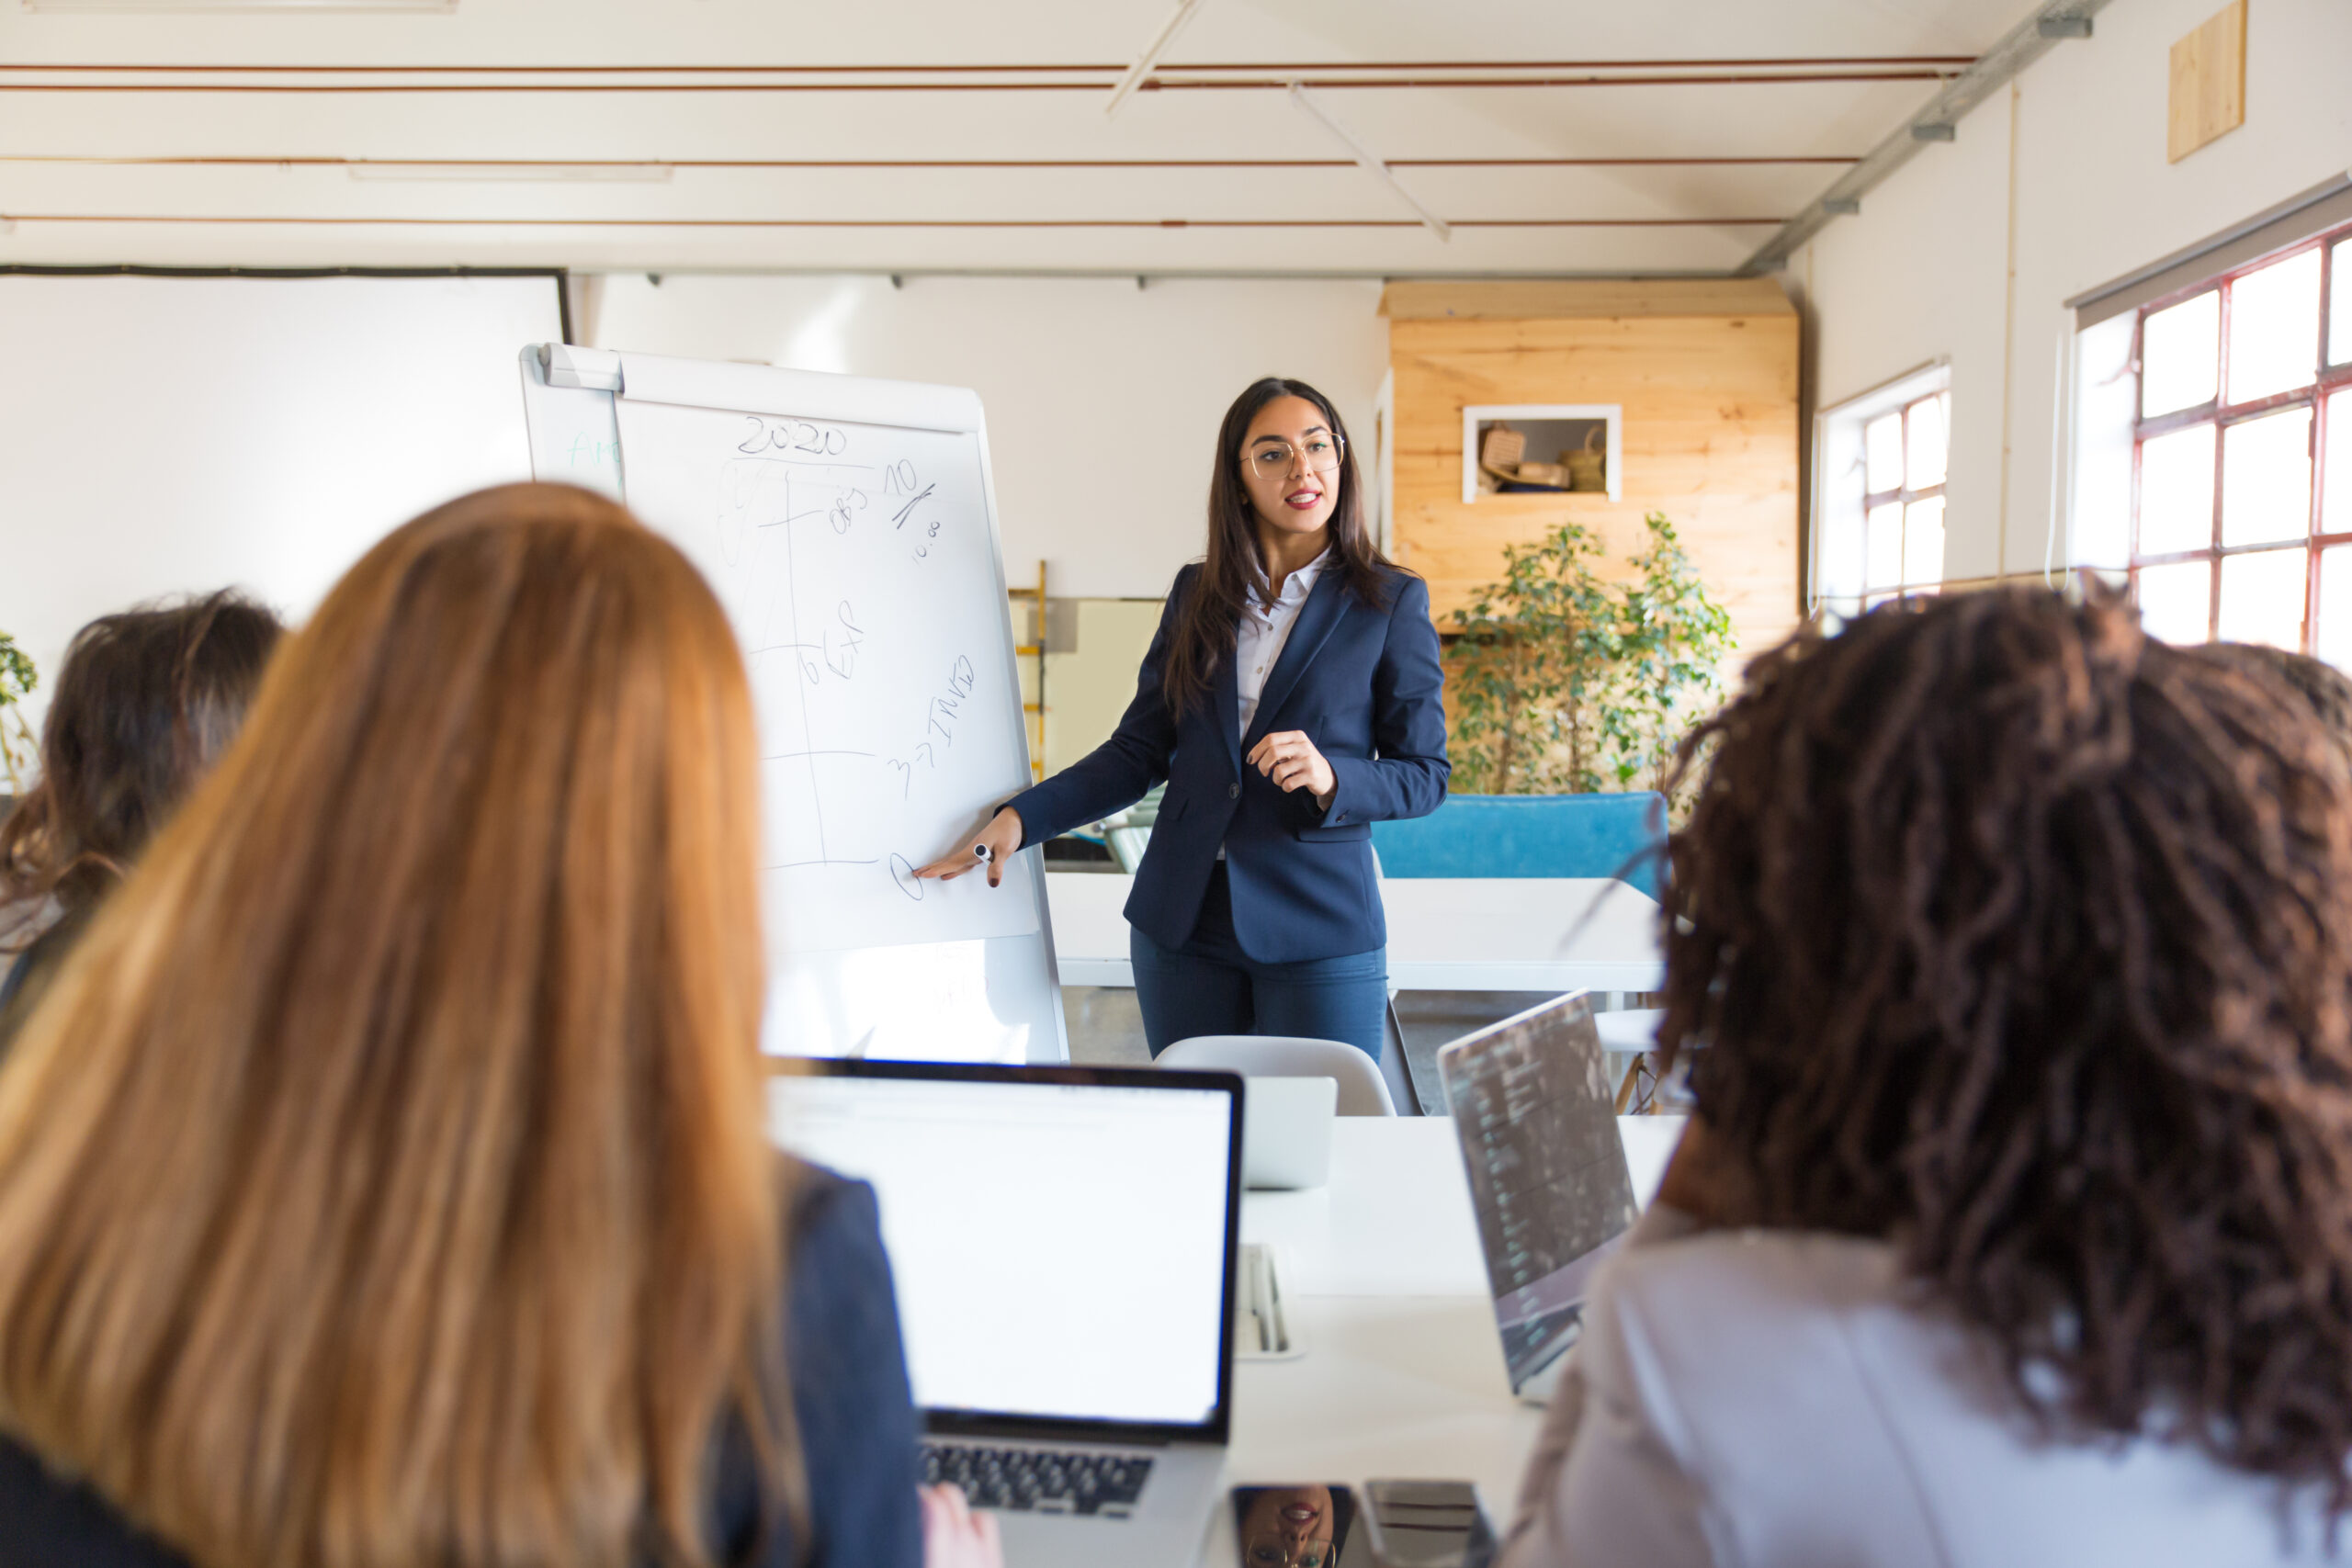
{"x":912,"y":513}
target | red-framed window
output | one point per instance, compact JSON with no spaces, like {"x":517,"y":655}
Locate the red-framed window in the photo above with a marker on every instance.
{"x":2246,"y":407}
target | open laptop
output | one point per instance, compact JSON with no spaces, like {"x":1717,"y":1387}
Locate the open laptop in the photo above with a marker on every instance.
{"x":1532,"y":1103}
{"x":1286,"y":1137}
{"x":1063,"y":1244}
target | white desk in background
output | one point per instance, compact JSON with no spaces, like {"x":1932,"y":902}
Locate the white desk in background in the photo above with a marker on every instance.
{"x":1403,"y":1374}
{"x":1445,"y":933}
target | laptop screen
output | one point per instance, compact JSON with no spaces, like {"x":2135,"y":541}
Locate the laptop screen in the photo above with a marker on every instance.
{"x":1533,"y":1107}
{"x":1058,"y":1237}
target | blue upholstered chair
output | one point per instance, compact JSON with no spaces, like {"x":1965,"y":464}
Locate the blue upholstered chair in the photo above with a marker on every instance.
{"x":1529,"y":835}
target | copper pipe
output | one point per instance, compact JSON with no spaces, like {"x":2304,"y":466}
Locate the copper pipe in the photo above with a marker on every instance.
{"x":1953,"y":62}
{"x":1157,"y":84}
{"x":905,"y":222}
{"x":316,"y":161}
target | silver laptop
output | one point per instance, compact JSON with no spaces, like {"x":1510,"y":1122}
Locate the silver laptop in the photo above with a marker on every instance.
{"x":1532,"y":1103}
{"x":1063,"y":1245}
{"x":1286,"y":1135}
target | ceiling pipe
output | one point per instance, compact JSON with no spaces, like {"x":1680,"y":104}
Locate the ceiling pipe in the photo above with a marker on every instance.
{"x":2051,"y":22}
{"x":1947,"y":63}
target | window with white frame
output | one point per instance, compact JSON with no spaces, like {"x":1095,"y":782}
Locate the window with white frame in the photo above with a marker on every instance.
{"x":1882,"y":462}
{"x":2241,"y":455}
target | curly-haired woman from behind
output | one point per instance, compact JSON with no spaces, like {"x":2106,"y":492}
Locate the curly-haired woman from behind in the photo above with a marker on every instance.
{"x":383,"y":1180}
{"x":2015,"y":1224}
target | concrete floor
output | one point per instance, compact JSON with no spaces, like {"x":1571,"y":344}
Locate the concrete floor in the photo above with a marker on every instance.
{"x":1105,"y":1027}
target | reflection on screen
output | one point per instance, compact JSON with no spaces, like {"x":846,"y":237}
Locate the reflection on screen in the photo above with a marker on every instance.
{"x":1059,"y":1248}
{"x":1532,"y":1105}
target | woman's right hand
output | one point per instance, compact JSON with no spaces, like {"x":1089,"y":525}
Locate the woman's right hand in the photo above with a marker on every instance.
{"x":955,"y":1537}
{"x":1002,"y":837}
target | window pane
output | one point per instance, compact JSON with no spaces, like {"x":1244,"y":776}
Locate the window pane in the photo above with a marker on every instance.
{"x":2180,"y":355}
{"x":2274,"y":328}
{"x":2334,"y":641}
{"x":1924,"y":443}
{"x":2335,"y":483}
{"x":2339,"y":311}
{"x":1882,"y":553}
{"x":2176,"y":492}
{"x":1923,"y":541}
{"x":2175,"y":601}
{"x":1882,"y":453}
{"x":2262,"y":598}
{"x":1841,"y":555}
{"x":2267,"y":478}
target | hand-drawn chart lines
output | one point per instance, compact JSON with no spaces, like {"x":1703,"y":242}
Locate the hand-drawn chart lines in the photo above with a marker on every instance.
{"x":767,"y":500}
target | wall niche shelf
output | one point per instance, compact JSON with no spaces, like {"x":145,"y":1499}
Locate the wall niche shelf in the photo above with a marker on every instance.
{"x":1553,"y":430}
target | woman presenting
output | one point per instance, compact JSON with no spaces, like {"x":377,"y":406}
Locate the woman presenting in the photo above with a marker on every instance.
{"x":1291,"y":698}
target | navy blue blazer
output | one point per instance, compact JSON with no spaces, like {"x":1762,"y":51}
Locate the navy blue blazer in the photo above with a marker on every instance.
{"x":849,"y":1394}
{"x":1366,"y":686}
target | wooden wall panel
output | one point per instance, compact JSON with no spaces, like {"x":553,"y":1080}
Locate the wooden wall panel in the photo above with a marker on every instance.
{"x":1710,"y":439}
{"x":2208,"y":88}
{"x":1559,"y":299}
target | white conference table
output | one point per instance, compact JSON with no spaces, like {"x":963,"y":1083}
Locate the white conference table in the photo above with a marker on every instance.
{"x":1445,"y":933}
{"x":1403,"y":1374}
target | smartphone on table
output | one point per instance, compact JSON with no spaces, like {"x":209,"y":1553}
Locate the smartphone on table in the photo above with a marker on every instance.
{"x":1297,"y":1527}
{"x":1426,"y":1524}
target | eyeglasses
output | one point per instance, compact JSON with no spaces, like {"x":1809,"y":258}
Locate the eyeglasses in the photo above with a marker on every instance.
{"x":1275,"y":460}
{"x":1275,"y":1551}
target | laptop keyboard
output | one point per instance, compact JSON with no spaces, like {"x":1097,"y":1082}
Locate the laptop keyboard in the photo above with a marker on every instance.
{"x":1084,"y":1481}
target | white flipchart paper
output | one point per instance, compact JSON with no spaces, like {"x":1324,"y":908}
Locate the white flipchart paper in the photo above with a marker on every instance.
{"x":858,"y":565}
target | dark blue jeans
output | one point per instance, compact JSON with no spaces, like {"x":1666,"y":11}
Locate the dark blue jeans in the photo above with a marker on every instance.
{"x":1210,"y":987}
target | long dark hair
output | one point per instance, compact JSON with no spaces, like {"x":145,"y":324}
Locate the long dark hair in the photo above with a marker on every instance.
{"x":2021,"y":940}
{"x":146,"y":700}
{"x":1234,"y":572}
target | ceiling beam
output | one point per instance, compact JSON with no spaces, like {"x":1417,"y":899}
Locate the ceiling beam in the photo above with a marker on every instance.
{"x":1369,"y":161}
{"x":2051,"y":23}
{"x":1141,"y":69}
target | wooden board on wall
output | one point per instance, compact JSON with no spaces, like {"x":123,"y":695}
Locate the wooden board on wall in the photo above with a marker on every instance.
{"x":1563,"y":298}
{"x":1710,"y":439}
{"x":2208,"y":93}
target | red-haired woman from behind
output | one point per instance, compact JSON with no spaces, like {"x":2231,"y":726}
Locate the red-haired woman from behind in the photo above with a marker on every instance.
{"x":384,"y":1179}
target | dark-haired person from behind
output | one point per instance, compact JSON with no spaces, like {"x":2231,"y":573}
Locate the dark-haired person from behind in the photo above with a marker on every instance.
{"x":146,"y":700}
{"x":1291,"y":698}
{"x":2014,"y":1227}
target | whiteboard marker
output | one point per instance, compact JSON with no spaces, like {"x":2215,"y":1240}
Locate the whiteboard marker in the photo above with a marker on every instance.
{"x":982,"y":853}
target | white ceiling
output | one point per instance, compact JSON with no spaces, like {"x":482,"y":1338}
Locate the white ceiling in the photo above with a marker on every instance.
{"x":57,"y":127}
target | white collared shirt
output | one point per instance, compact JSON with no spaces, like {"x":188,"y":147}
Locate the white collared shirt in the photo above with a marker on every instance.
{"x":1264,"y":629}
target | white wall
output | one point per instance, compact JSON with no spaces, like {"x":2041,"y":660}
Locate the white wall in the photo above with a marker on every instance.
{"x":164,"y":435}
{"x":1102,"y":399}
{"x":1922,"y":273}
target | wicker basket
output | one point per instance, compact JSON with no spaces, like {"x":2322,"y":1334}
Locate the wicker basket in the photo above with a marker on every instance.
{"x":1503,"y":448}
{"x":1588,"y":468}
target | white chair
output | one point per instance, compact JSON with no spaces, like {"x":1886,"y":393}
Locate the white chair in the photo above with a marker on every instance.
{"x":1126,"y":846}
{"x":1363,"y":1092}
{"x":1632,"y":1031}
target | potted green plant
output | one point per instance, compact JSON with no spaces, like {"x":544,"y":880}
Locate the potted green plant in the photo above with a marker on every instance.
{"x":1564,"y":682}
{"x":17,"y":680}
